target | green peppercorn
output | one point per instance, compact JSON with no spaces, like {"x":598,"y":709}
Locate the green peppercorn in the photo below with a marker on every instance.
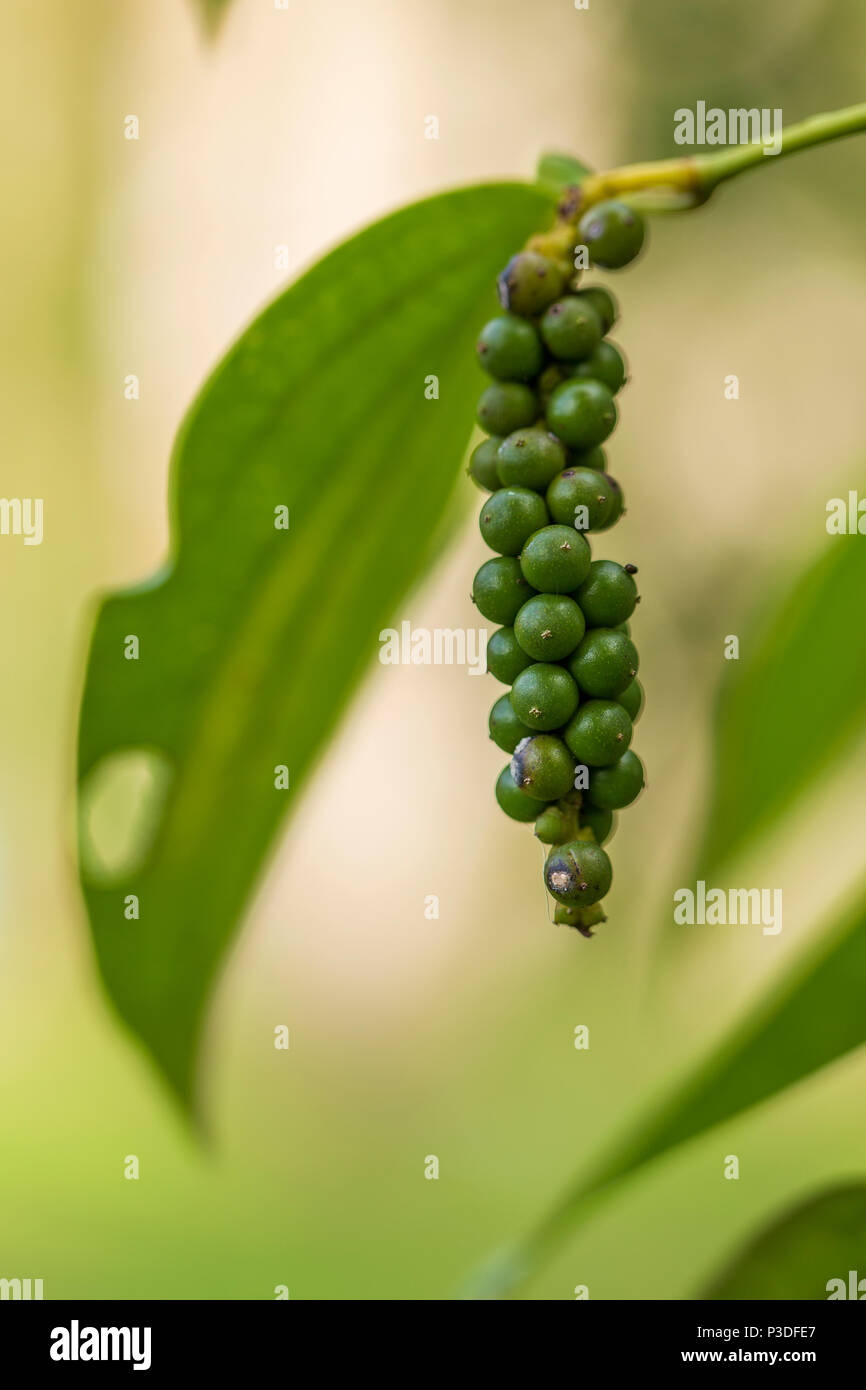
{"x":553,"y":826}
{"x":510,"y":349}
{"x":617,"y":785}
{"x":578,"y":873}
{"x":604,"y":663}
{"x":556,"y":559}
{"x":571,"y":328}
{"x":505,"y":656}
{"x":505,"y":406}
{"x":552,"y":376}
{"x":613,"y":232}
{"x":578,"y":497}
{"x":604,"y":304}
{"x":599,"y":821}
{"x":631,"y":699}
{"x":581,"y":413}
{"x":500,"y":589}
{"x":594,"y":458}
{"x":549,"y":626}
{"x":608,"y":594}
{"x":529,"y":283}
{"x":510,"y":517}
{"x":605,"y":363}
{"x":543,"y":767}
{"x":544,"y":696}
{"x":617,"y":502}
{"x":483,"y":463}
{"x":599,"y":733}
{"x":506,"y":729}
{"x":530,"y":458}
{"x":513,"y":799}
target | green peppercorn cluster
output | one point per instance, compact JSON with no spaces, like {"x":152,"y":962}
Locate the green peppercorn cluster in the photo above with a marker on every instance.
{"x":563,"y":644}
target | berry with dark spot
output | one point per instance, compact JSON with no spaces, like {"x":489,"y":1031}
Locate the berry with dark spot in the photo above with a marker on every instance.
{"x":578,"y":873}
{"x":529,"y":283}
{"x":603,"y":303}
{"x":571,"y":329}
{"x":543,"y":767}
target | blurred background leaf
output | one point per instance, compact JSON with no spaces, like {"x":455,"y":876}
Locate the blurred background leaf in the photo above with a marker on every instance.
{"x":213,"y":12}
{"x":791,"y":704}
{"x":254,"y":639}
{"x":797,"y":1256}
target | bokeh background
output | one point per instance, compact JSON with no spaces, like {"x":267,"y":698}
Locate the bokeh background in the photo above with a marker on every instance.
{"x":411,"y":1037}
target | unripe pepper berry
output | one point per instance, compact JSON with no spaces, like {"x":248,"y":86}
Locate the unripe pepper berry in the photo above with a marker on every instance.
{"x":549,"y":626}
{"x":543,"y":767}
{"x":552,"y":826}
{"x":505,"y":406}
{"x":529,"y":458}
{"x":483,"y":463}
{"x":599,"y":733}
{"x":631,"y":700}
{"x":604,"y":663}
{"x":603,"y":303}
{"x":505,"y":656}
{"x":529,"y":283}
{"x":500,"y":589}
{"x":571,"y":329}
{"x":513,"y":799}
{"x":599,"y":821}
{"x":544,"y":696}
{"x":506,"y":729}
{"x":578,"y":873}
{"x":510,"y":517}
{"x":613,"y":232}
{"x":510,"y":349}
{"x":556,"y":559}
{"x":581,"y":413}
{"x":617,"y":503}
{"x":608,"y":594}
{"x":606,"y":364}
{"x":617,"y":785}
{"x":579,"y":497}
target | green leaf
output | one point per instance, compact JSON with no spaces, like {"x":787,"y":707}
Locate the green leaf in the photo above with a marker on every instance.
{"x":811,"y":1018}
{"x":807,"y":1253}
{"x":791,"y":704}
{"x":252,"y":639}
{"x":556,"y":172}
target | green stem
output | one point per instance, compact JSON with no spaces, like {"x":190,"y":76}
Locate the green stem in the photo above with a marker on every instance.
{"x":672,"y":185}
